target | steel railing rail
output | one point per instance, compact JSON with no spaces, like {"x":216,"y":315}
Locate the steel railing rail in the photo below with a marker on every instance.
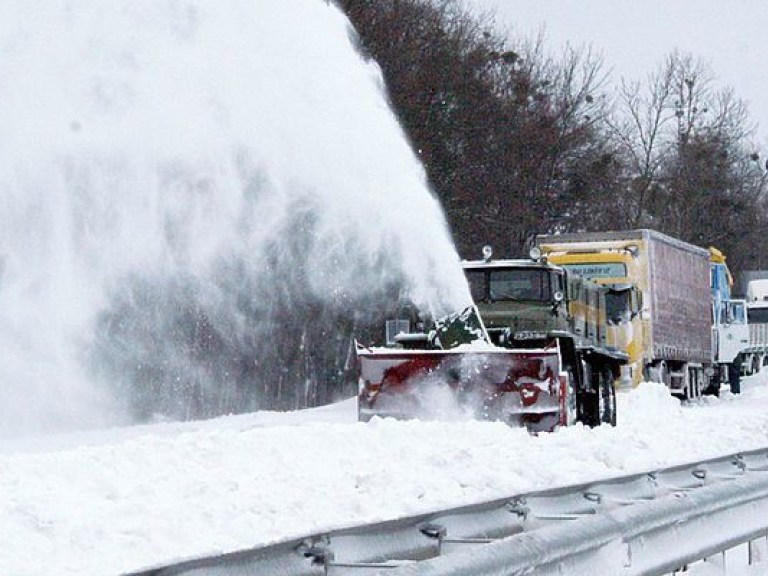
{"x":618,"y":519}
{"x":648,"y":538}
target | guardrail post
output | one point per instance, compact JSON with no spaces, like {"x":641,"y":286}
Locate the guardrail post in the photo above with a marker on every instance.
{"x":756,"y":550}
{"x":519,"y":507}
{"x":320,"y":556}
{"x":436,"y":532}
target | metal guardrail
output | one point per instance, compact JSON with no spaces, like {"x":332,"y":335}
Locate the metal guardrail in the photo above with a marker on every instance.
{"x":655,"y":537}
{"x":620,"y":525}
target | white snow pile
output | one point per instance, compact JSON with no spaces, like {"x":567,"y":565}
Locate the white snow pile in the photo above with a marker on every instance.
{"x":134,"y":497}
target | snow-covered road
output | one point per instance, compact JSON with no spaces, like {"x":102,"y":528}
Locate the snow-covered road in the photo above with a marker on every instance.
{"x":117,"y":500}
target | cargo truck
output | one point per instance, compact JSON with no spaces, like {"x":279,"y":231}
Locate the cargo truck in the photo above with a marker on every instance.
{"x":754,"y":356}
{"x":663,"y":305}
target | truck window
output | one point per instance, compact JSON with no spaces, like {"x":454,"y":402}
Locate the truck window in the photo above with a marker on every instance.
{"x":617,"y":306}
{"x":757,"y":315}
{"x":510,"y":284}
{"x":477,"y":285}
{"x":519,"y":284}
{"x":737,"y":313}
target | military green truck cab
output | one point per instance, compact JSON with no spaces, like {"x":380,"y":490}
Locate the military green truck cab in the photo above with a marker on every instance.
{"x":520,"y":301}
{"x":524,"y":303}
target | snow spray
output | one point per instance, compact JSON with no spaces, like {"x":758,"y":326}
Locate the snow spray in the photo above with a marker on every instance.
{"x":168,"y":170}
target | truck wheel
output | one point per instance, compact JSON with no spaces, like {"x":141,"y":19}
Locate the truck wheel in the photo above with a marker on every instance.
{"x":734,"y":376}
{"x":694,"y":389}
{"x":607,"y":400}
{"x":663,"y":373}
{"x":571,"y":402}
{"x":713,"y":388}
{"x":587,"y":406}
{"x":584,"y":402}
{"x":744,"y":364}
{"x":614,"y":409}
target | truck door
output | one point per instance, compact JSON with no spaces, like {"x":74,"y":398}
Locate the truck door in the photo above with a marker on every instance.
{"x":732,"y":331}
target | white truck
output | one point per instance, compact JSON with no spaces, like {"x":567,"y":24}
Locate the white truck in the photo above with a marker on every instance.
{"x":755,"y":356}
{"x":757,"y":290}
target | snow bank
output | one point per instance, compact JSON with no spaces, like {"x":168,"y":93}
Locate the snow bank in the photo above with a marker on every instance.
{"x":130,"y":498}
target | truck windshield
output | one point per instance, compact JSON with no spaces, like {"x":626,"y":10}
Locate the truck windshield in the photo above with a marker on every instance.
{"x":509,"y":284}
{"x":733,"y":312}
{"x":757,"y":315}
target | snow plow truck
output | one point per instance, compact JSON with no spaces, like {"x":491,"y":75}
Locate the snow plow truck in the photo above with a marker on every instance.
{"x":530,"y":351}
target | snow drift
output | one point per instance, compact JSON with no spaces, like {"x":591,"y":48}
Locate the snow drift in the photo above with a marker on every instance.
{"x":112,"y":501}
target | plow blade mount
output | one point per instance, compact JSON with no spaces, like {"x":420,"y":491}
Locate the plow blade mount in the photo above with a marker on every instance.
{"x":522,"y":387}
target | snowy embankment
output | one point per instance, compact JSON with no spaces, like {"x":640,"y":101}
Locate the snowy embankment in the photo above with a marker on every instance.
{"x":133,"y":497}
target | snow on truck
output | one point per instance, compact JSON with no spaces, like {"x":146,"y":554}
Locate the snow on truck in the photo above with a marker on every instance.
{"x":532,"y":351}
{"x":680,"y":326}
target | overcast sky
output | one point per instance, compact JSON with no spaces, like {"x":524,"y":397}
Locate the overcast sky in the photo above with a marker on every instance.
{"x":635,"y":36}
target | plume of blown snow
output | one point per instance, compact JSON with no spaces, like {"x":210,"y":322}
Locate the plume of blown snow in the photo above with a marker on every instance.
{"x":164,"y":161}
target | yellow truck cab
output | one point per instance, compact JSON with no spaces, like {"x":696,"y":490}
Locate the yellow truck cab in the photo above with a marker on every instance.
{"x":662,"y":294}
{"x":617,"y":267}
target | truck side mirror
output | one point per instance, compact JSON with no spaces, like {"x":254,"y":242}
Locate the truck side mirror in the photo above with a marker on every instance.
{"x":557,"y":299}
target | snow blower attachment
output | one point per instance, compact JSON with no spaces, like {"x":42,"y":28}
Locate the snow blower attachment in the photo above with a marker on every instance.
{"x":531,"y":351}
{"x":460,"y":374}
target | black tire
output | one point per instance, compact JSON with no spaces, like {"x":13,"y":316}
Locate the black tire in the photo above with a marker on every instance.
{"x":607,"y":399}
{"x":692,"y":391}
{"x":599,"y":399}
{"x":577,"y":386}
{"x":713,"y":389}
{"x":587,"y":397}
{"x":663,"y":371}
{"x":734,"y":376}
{"x":572,"y":406}
{"x":713,"y":382}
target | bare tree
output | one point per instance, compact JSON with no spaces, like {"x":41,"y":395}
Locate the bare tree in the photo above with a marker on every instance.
{"x":516,"y":142}
{"x":641,"y":131}
{"x":692,"y":170}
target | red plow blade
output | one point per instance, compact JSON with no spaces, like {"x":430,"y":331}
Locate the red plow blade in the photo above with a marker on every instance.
{"x":522,"y":387}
